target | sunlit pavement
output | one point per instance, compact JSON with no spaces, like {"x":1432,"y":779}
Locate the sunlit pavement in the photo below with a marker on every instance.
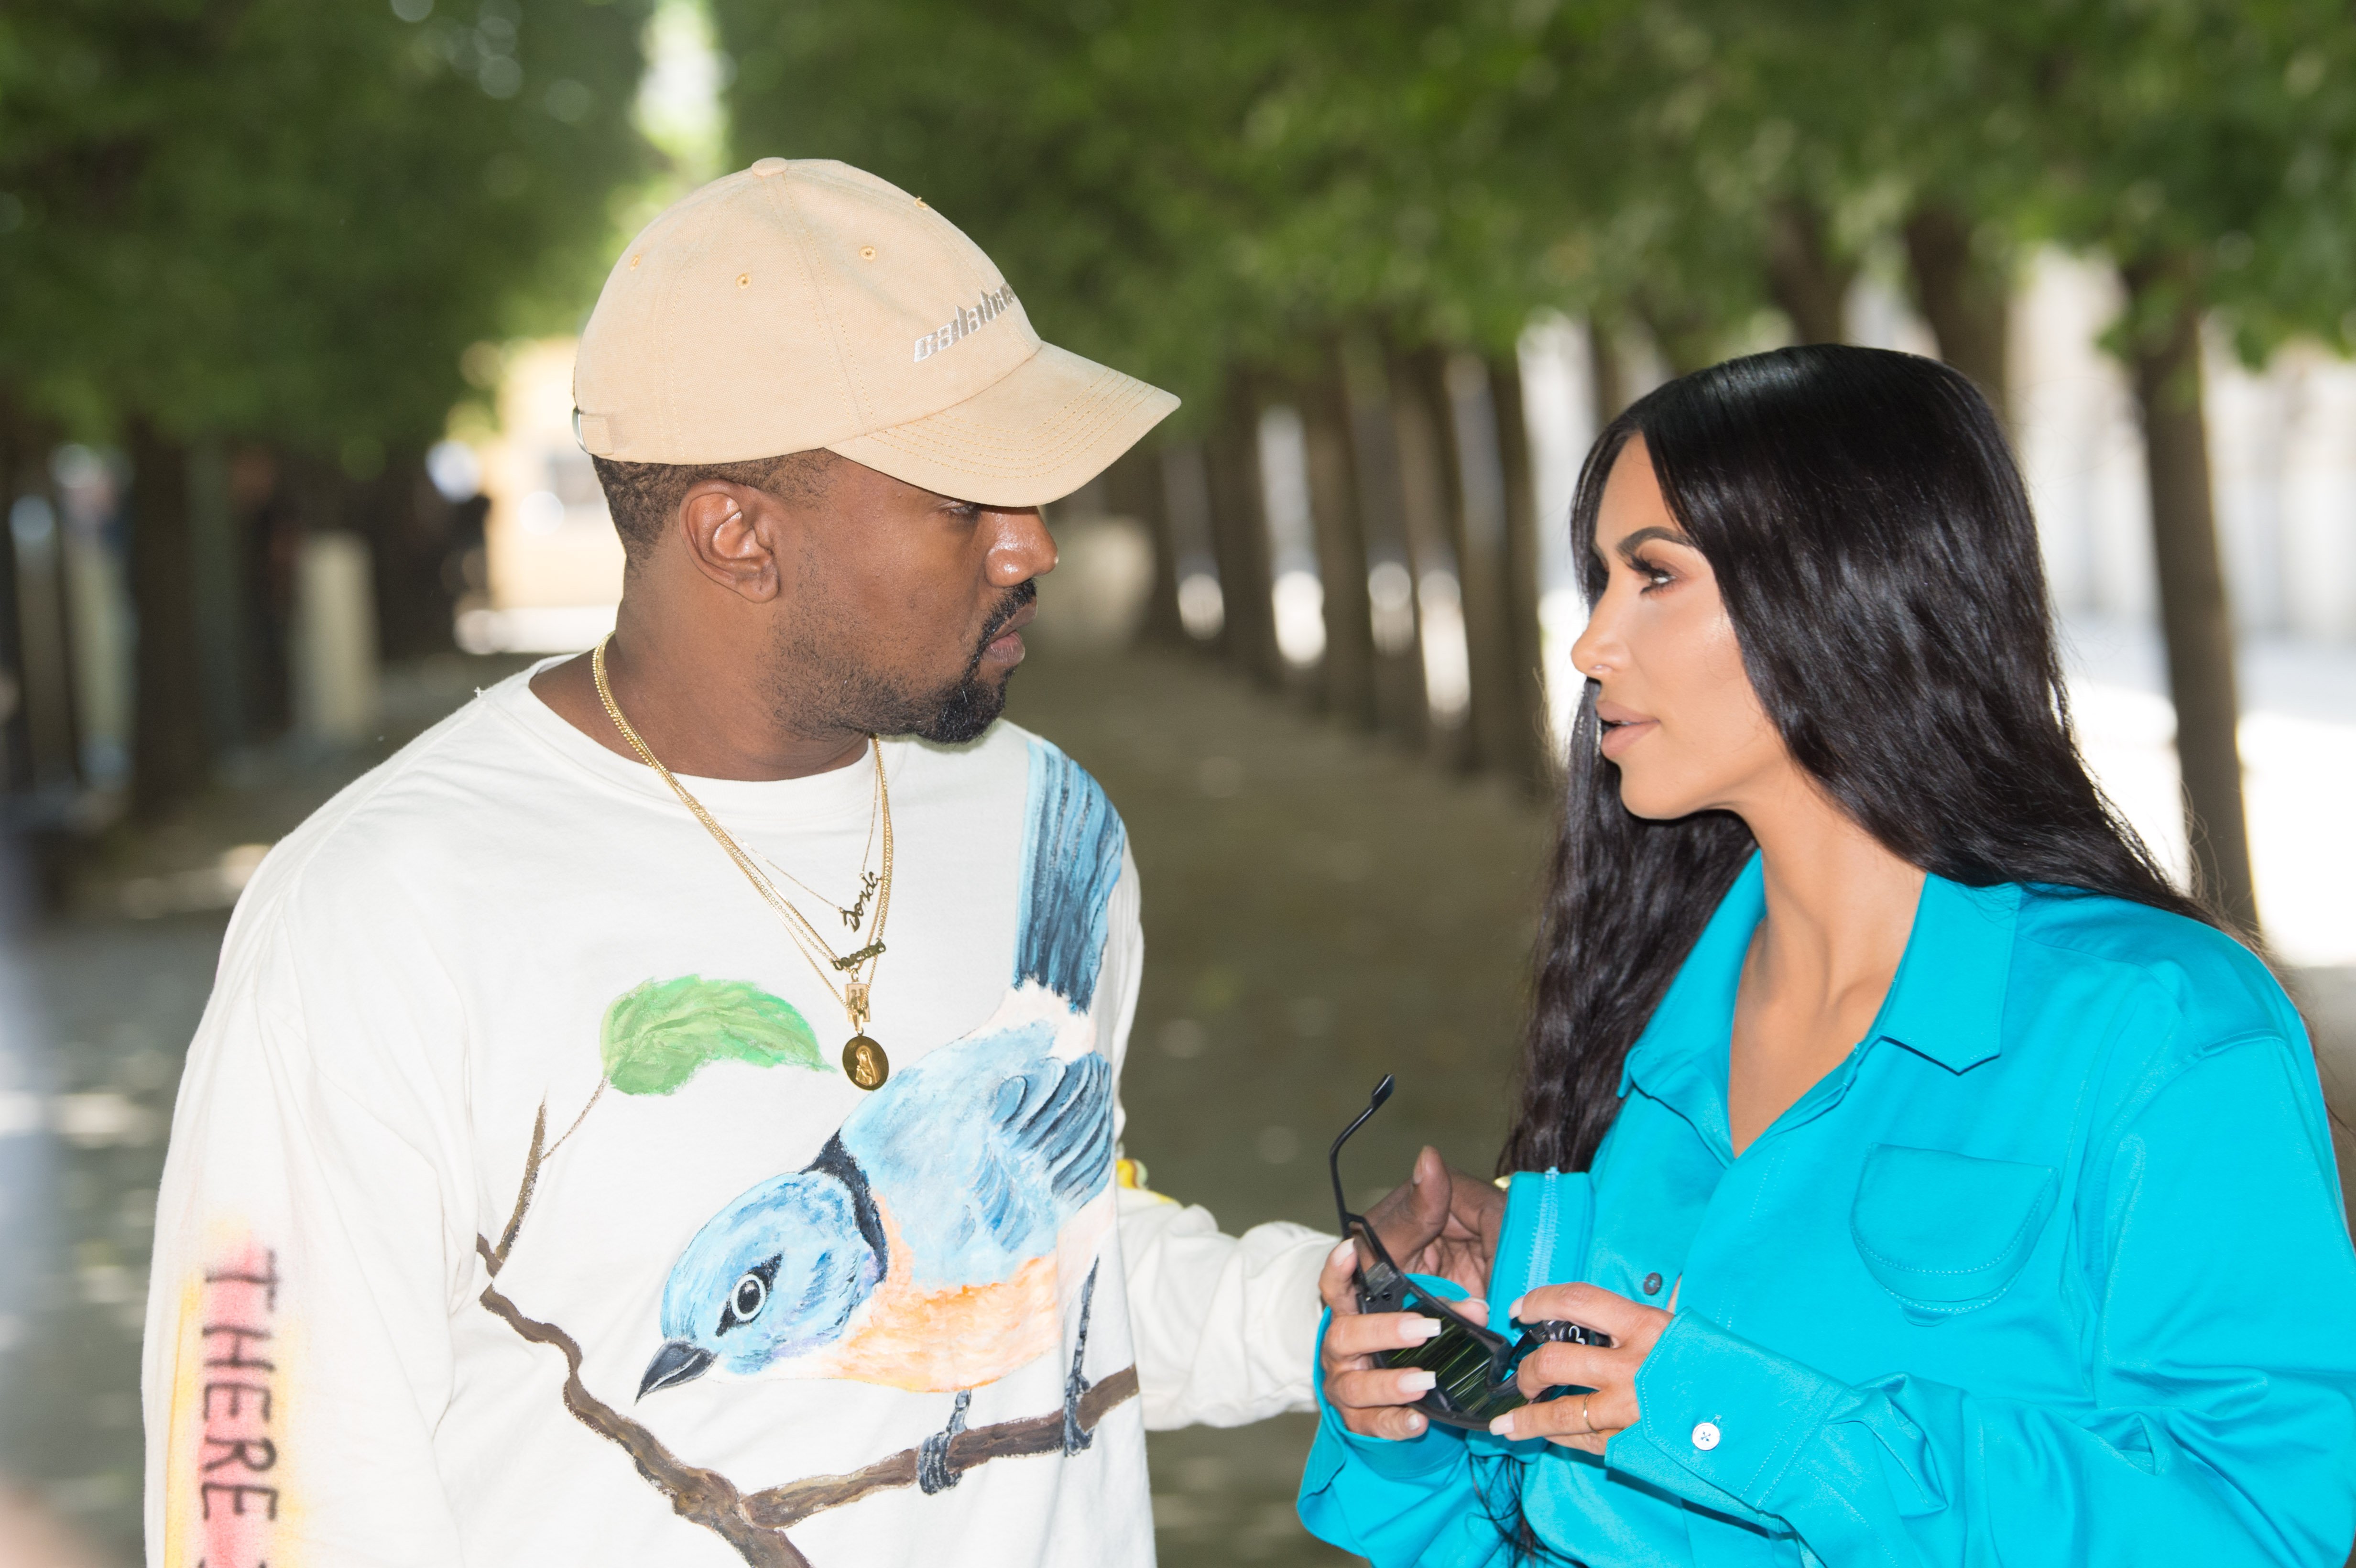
{"x":1319,"y":910}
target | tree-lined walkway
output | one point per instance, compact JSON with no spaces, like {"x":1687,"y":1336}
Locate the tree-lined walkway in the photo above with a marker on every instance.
{"x":1320,"y":909}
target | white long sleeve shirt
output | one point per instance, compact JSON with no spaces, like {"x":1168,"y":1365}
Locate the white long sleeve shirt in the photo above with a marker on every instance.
{"x":519,"y":1210}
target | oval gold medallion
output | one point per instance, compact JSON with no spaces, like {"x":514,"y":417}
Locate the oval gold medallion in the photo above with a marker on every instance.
{"x":864,"y":1063}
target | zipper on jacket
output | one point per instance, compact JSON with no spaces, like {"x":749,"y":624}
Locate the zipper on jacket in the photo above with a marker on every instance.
{"x":1542,"y":1234}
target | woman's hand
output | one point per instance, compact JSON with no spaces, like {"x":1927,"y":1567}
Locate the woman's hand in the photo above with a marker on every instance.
{"x":1585,"y":1421}
{"x":1371,"y":1399}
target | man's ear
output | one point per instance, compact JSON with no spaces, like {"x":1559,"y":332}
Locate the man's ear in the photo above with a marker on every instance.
{"x":733,"y":534}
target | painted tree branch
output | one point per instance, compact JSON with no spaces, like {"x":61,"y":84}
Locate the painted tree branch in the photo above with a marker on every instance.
{"x":701,"y":1497}
{"x":797,"y":1500}
{"x":755,"y":1525}
{"x":495,"y":1257}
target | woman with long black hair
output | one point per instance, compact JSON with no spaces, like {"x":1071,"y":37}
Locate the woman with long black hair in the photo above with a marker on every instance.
{"x":1953,"y":1190}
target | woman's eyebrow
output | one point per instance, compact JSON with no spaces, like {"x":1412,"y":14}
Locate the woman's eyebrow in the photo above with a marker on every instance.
{"x":1627,"y":547}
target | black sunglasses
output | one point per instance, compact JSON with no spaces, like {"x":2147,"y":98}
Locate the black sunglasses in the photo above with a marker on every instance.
{"x":1472,"y":1366}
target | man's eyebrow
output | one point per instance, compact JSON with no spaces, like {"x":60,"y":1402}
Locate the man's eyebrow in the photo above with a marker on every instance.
{"x":1627,"y":547}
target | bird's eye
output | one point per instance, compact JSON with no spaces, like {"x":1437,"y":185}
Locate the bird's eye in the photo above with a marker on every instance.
{"x":751,"y":1294}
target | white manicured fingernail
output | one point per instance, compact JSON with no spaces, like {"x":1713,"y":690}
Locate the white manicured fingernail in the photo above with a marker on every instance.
{"x":1503,"y":1426}
{"x":1515,"y":1311}
{"x":1417,"y":1382}
{"x":1473,"y":1306}
{"x":1418,"y":1330}
{"x":1347,"y":1249}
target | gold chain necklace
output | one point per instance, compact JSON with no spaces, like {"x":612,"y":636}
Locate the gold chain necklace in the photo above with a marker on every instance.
{"x":856,"y":911}
{"x":864,"y":1059}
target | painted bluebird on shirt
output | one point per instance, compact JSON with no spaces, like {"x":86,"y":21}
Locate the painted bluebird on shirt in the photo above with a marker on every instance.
{"x":918,"y":1248}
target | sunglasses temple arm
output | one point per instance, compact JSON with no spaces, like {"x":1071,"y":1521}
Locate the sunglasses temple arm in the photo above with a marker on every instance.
{"x":1334,"y":1168}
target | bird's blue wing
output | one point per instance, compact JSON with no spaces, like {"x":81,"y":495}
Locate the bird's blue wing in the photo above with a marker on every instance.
{"x":1059,"y":1114}
{"x":983,"y":1149}
{"x":1071,"y":858}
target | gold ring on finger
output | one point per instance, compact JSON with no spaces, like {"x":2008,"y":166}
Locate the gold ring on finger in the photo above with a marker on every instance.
{"x":1586,"y":1419}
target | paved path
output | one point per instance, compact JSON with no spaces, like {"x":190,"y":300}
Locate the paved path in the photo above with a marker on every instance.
{"x":1319,"y":910}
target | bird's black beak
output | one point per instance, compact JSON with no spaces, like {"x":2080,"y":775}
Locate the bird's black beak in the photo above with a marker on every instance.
{"x":676,"y":1363}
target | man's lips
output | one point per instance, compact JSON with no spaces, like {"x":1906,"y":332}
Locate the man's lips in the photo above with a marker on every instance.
{"x":1623,"y":727}
{"x":1007,"y":647}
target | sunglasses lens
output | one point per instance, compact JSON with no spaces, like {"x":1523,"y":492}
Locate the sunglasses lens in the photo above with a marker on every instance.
{"x":1461,"y":1365}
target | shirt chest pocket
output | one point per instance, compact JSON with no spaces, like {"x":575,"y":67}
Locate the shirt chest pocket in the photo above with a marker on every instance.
{"x":1945,"y":1234}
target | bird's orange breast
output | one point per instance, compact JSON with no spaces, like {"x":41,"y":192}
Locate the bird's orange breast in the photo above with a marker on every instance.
{"x":938,"y":1341}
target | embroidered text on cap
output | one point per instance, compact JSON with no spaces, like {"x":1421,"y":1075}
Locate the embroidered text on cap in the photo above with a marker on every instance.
{"x":970,"y":320}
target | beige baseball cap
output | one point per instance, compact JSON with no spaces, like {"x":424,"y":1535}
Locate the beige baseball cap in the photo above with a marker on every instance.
{"x":805,"y":303}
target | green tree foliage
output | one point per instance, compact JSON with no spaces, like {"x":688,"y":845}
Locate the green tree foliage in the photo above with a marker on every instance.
{"x":283,"y":224}
{"x":288,"y":221}
{"x":1198,"y":191}
{"x":1180,"y":190}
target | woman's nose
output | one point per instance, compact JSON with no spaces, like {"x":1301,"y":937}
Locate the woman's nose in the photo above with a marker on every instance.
{"x":1590,"y":652}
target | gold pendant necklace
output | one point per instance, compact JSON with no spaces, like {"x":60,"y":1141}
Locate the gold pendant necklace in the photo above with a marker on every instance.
{"x":863,"y":1059}
{"x":856,"y":911}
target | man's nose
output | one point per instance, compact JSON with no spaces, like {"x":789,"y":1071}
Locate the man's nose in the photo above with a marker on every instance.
{"x":1021,"y":548}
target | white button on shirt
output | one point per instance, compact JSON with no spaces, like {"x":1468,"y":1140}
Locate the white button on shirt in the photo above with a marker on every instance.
{"x":1705,"y":1436}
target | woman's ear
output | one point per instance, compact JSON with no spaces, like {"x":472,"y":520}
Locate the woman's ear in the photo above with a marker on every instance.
{"x":731,"y":532}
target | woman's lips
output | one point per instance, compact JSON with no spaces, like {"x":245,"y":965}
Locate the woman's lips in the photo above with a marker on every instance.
{"x":1623,"y":727}
{"x":1618,"y":738}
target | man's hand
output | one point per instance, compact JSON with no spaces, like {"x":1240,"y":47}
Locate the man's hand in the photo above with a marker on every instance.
{"x":1442,"y":1222}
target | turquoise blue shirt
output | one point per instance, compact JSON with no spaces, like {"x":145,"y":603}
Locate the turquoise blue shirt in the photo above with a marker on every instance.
{"x":2051,"y":1270}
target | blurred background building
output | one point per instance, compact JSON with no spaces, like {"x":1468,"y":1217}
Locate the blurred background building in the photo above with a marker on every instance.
{"x":286,"y":302}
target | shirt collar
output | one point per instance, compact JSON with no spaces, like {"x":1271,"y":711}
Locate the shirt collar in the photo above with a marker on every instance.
{"x":1947,"y":1001}
{"x":1945,"y":1004}
{"x":1680,"y":1059}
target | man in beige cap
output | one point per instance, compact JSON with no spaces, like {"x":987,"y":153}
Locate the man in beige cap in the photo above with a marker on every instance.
{"x":666,"y":1114}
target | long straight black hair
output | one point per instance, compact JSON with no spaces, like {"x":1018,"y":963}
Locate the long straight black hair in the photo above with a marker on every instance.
{"x":1879,"y":561}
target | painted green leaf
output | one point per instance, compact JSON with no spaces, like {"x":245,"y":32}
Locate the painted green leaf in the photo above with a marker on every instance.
{"x":657,"y":1037}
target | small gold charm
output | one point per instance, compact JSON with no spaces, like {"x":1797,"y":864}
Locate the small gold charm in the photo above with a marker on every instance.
{"x":864,"y":1063}
{"x":850,"y":961}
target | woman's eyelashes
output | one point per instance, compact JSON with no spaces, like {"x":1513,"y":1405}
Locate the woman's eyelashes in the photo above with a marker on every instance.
{"x":1650,"y":572}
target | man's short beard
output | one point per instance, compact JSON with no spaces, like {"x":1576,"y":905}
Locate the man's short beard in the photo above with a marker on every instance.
{"x":951,"y":715}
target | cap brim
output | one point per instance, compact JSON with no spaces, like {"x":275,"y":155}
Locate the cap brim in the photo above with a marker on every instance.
{"x":1036,"y":434}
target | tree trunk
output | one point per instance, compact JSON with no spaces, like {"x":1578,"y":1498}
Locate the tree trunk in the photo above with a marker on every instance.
{"x":266,"y":495}
{"x":2164,"y":357}
{"x":17,"y":769}
{"x":1607,"y":374}
{"x":1808,"y":280}
{"x":1431,"y":505}
{"x":1686,"y":335}
{"x":1133,"y":489}
{"x":1240,"y":535}
{"x":170,"y":758}
{"x":1531,"y":756}
{"x":1401,"y":706}
{"x":1967,"y":300}
{"x":408,"y":526}
{"x":1186,"y":507}
{"x":45,"y":732}
{"x":1475,"y":440}
{"x":1347,"y":670}
{"x":217,"y":582}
